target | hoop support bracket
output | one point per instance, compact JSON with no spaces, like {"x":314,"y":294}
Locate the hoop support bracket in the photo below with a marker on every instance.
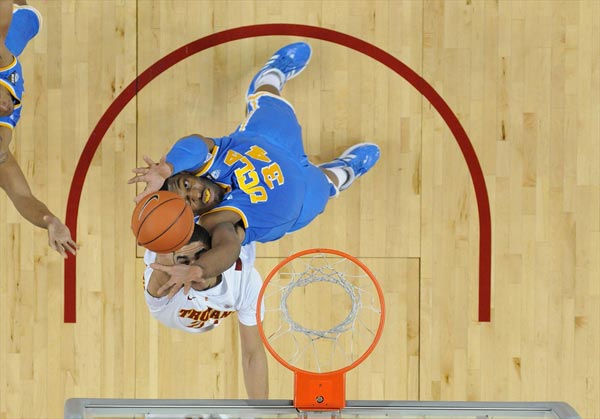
{"x":319,"y":391}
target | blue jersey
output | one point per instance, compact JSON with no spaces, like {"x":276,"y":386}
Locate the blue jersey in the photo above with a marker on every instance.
{"x":274,"y":188}
{"x":267,"y":184}
{"x":11,"y":77}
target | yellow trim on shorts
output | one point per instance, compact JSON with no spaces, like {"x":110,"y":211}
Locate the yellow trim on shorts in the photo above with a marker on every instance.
{"x":252,"y":100}
{"x":6,"y":124}
{"x":256,"y":96}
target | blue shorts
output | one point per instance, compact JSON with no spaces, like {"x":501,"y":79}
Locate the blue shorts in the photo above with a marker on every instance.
{"x":273,"y":118}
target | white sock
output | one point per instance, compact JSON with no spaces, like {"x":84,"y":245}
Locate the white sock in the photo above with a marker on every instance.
{"x":271,"y":77}
{"x":340,"y":174}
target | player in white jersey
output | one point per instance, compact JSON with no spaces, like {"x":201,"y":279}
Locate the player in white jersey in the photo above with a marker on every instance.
{"x":212,"y":300}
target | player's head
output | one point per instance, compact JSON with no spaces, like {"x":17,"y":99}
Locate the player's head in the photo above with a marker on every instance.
{"x":198,"y":244}
{"x":7,"y":101}
{"x":200,"y":193}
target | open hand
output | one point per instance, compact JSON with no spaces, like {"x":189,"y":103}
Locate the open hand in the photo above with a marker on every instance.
{"x":59,"y":238}
{"x":180,"y":275}
{"x":154,"y":175}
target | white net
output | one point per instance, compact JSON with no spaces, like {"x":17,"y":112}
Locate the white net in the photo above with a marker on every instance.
{"x":322,"y":312}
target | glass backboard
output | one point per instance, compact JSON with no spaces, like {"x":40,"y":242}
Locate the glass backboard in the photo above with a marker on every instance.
{"x":284,"y":409}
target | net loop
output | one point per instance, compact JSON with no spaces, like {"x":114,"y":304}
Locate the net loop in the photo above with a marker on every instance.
{"x":313,"y":275}
{"x":323,"y":309}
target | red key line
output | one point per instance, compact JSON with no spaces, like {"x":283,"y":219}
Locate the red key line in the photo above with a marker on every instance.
{"x":483,"y":205}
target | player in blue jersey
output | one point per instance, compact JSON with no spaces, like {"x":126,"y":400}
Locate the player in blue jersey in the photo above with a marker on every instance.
{"x":18,"y":25}
{"x":258,"y":177}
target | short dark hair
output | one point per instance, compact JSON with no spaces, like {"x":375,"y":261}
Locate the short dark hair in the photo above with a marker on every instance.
{"x":200,"y":234}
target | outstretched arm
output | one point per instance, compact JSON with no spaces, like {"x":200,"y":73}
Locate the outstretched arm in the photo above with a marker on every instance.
{"x":226,"y":246}
{"x":254,"y":363}
{"x":164,"y":267}
{"x":6,"y":11}
{"x":189,"y":153}
{"x":14,"y":183}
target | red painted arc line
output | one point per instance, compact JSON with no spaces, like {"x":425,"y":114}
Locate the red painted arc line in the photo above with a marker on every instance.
{"x":483,"y":206}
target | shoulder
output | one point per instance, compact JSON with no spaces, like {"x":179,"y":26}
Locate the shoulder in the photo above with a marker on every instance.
{"x":248,"y":254}
{"x":223,"y":216}
{"x":250,"y":283}
{"x":244,"y":280}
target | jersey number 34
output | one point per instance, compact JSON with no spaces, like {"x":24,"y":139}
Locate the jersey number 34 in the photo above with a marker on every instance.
{"x":250,"y":180}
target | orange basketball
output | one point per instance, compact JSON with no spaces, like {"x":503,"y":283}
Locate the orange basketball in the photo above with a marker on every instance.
{"x":162,"y":222}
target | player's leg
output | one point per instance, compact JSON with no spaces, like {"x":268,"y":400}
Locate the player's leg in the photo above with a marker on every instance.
{"x":316,"y":195}
{"x":270,"y":115}
{"x":272,"y":119}
{"x":26,"y":24}
{"x":284,"y":65}
{"x":326,"y":181}
{"x":268,"y":88}
{"x":350,"y":165}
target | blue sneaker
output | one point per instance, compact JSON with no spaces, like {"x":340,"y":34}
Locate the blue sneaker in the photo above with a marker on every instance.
{"x":357,"y":160}
{"x":288,"y":62}
{"x":26,"y":24}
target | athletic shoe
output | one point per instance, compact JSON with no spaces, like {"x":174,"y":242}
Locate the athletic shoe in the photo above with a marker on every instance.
{"x":357,"y":160}
{"x":288,"y":62}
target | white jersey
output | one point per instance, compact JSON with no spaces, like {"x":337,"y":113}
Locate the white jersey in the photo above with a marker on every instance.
{"x":201,"y":311}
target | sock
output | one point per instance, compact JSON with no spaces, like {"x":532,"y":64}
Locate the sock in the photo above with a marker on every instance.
{"x":341,"y":176}
{"x":272,"y":77}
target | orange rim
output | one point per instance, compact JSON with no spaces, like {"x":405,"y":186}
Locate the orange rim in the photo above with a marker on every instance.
{"x":275,"y":270}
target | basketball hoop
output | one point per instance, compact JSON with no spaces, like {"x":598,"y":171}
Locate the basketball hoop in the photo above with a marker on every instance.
{"x":294,"y":331}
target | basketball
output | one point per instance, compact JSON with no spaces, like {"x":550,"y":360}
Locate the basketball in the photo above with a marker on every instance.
{"x":162,"y":222}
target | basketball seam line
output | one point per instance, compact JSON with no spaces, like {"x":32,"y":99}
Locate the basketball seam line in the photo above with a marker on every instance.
{"x":169,"y":227}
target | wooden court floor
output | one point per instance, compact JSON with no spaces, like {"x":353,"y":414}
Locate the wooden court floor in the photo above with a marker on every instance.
{"x":523,"y":79}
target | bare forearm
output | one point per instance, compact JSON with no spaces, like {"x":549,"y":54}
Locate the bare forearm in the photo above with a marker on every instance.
{"x":33,"y":210}
{"x":157,"y":280}
{"x":218,"y":260}
{"x":6,"y":9}
{"x":14,"y":183}
{"x":256,"y":375}
{"x":225,"y":250}
{"x":36,"y":212}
